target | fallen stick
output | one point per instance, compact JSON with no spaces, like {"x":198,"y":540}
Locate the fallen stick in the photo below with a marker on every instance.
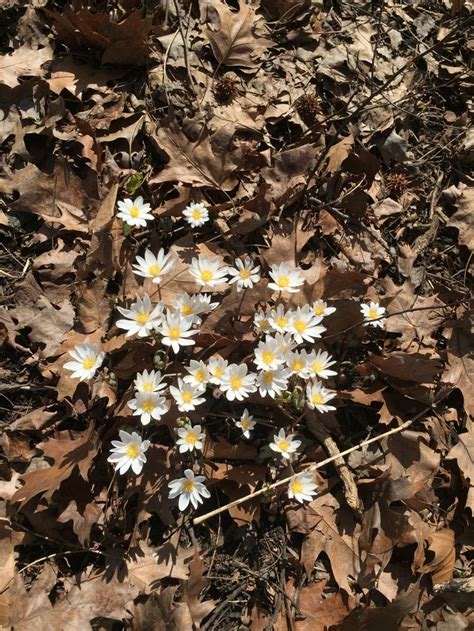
{"x":313,"y":467}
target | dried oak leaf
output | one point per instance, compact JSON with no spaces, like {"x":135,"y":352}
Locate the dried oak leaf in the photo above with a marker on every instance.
{"x":442,"y":551}
{"x":146,"y":566}
{"x":59,"y":198}
{"x":192,"y":589}
{"x":321,"y":613}
{"x":463,"y":218}
{"x":233,"y":41}
{"x":327,"y":531}
{"x":462,"y":453}
{"x":408,"y":366}
{"x":66,"y":454}
{"x":23,"y":62}
{"x":124,"y":43}
{"x":460,"y":351}
{"x":199,"y":163}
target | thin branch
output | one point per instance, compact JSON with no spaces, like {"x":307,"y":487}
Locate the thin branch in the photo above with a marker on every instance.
{"x":317,"y":465}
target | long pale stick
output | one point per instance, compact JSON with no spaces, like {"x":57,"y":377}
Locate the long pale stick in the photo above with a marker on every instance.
{"x":313,"y":467}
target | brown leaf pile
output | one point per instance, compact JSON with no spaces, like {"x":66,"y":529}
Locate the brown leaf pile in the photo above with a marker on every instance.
{"x":335,"y":137}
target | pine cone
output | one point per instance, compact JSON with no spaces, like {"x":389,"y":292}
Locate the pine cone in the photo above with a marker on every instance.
{"x":308,"y":108}
{"x":225,"y":89}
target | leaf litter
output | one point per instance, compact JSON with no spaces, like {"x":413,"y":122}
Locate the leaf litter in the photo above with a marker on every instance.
{"x":335,"y":138}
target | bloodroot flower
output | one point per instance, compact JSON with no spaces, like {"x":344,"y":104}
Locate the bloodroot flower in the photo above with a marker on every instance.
{"x":134,"y":212}
{"x":187,"y":396}
{"x":286,"y":277}
{"x":128,"y":452}
{"x":246,"y":423}
{"x":190,"y":438}
{"x":176,"y":331}
{"x":284,"y":445}
{"x":237,"y":382}
{"x":302,"y":488}
{"x":208,"y":270}
{"x":319,"y":363}
{"x":154,"y":267}
{"x":189,"y":489}
{"x":141,"y":318}
{"x":196,"y":214}
{"x":148,"y":405}
{"x":245,"y":273}
{"x":88,"y":358}
{"x":372,"y":312}
{"x":320,"y":308}
{"x":317,"y":397}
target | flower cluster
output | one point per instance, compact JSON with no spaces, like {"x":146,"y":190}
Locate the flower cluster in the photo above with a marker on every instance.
{"x":286,"y":356}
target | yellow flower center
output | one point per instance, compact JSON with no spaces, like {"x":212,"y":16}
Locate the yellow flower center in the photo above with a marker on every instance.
{"x":244,"y":273}
{"x":268,"y":357}
{"x":142,"y":317}
{"x":300,"y":326}
{"x":134,"y":211}
{"x":317,"y":399}
{"x":207,"y":275}
{"x":186,"y":310}
{"x":298,"y":365}
{"x":317,"y":366}
{"x":191,"y":438}
{"x":281,"y":322}
{"x":148,"y":406}
{"x":245,"y":423}
{"x":218,"y":372}
{"x":296,"y":486}
{"x":268,"y":377}
{"x":133,"y":451}
{"x":199,"y":375}
{"x":373,"y":313}
{"x":319,"y":310}
{"x":174,"y":333}
{"x":188,"y":486}
{"x":263,"y":324}
{"x":187,"y":397}
{"x":88,"y":363}
{"x":283,"y":444}
{"x":196,"y":214}
{"x":147,"y":386}
{"x":154,"y":270}
{"x":236,"y":383}
{"x":283,"y":281}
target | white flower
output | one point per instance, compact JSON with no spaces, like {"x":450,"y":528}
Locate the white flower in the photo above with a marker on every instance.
{"x":190,"y":438}
{"x":148,"y":405}
{"x":285,"y":277}
{"x":237,"y":383}
{"x":155,"y":267}
{"x":320,"y":308}
{"x":135,"y":212}
{"x":317,"y":397}
{"x":176,"y":331}
{"x":246,"y":423}
{"x":141,"y":318}
{"x":216,"y":368}
{"x":304,"y":325}
{"x":371,"y":313}
{"x":261,"y":322}
{"x":245,"y":273}
{"x":268,"y":354}
{"x":190,"y":306}
{"x":128,"y":452}
{"x":318,"y":364}
{"x":285,"y":342}
{"x":198,"y":373}
{"x":187,"y":396}
{"x":297,"y":362}
{"x":149,"y":381}
{"x":196,"y":214}
{"x":280,"y":319}
{"x":302,"y":487}
{"x":284,"y":445}
{"x":272,"y":382}
{"x":208,"y":271}
{"x":88,"y":358}
{"x":190,"y":489}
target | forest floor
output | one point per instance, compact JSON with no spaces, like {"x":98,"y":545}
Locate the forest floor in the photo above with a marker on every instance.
{"x":330,"y":136}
